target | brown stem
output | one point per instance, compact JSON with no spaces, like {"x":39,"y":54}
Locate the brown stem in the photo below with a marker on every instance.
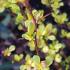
{"x":45,"y":16}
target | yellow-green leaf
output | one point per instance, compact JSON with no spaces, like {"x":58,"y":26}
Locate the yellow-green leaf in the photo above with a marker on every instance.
{"x":18,"y":57}
{"x":12,"y":48}
{"x":31,"y":44}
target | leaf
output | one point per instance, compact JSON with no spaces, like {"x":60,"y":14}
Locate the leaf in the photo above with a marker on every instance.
{"x":2,"y":5}
{"x":12,"y":48}
{"x":34,"y":12}
{"x":37,"y":13}
{"x":51,"y":37}
{"x":28,"y":59}
{"x":23,"y":67}
{"x":68,"y":35}
{"x":18,"y":57}
{"x":56,"y":4}
{"x":29,"y":16}
{"x":2,"y":9}
{"x":58,"y":46}
{"x":58,"y":58}
{"x":15,"y":8}
{"x":40,"y":30}
{"x":46,"y":2}
{"x":19,"y":18}
{"x":45,"y":49}
{"x":36,"y":59}
{"x":54,"y":30}
{"x":30,"y":27}
{"x":49,"y":60}
{"x":58,"y":18}
{"x":6,"y":52}
{"x":12,"y":1}
{"x":31,"y":44}
{"x":48,"y":29}
{"x":41,"y":43}
{"x":67,"y":59}
{"x":27,"y":37}
{"x":47,"y":68}
{"x":21,"y":1}
{"x":20,"y":27}
{"x":63,"y":33}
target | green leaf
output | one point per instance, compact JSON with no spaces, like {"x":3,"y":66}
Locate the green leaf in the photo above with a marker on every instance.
{"x":2,"y":9}
{"x":12,"y":48}
{"x":58,"y":58}
{"x":20,"y":27}
{"x":18,"y":57}
{"x":15,"y":8}
{"x":45,"y":49}
{"x":63,"y":33}
{"x":48,"y":29}
{"x":49,"y":60}
{"x":68,"y":35}
{"x":46,"y":2}
{"x":54,"y":30}
{"x":58,"y":17}
{"x":56,"y":4}
{"x":40,"y":30}
{"x":2,"y":5}
{"x":27,"y":57}
{"x":47,"y":68}
{"x":19,"y":18}
{"x":31,"y":44}
{"x":37,"y":13}
{"x":27,"y":37}
{"x":30,"y":27}
{"x":67,"y":60}
{"x":36,"y":59}
{"x":41,"y":43}
{"x":51,"y":37}
{"x":23,"y":67}
{"x":12,"y":1}
{"x":58,"y":46}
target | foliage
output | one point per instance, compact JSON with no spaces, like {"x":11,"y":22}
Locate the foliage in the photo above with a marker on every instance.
{"x":37,"y":34}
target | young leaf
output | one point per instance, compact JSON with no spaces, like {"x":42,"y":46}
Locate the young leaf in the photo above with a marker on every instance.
{"x":31,"y":44}
{"x":27,"y":37}
{"x":6,"y":52}
{"x":20,"y":27}
{"x":19,"y":18}
{"x":68,"y":35}
{"x":37,"y":14}
{"x":49,"y":60}
{"x":36,"y":59}
{"x":48,"y":29}
{"x":12,"y":48}
{"x":15,"y":8}
{"x":58,"y":58}
{"x":40,"y":30}
{"x":12,"y":1}
{"x":45,"y":49}
{"x":41,"y":43}
{"x":18,"y":57}
{"x":46,"y":2}
{"x":2,"y":5}
{"x":30,"y":27}
{"x":23,"y":67}
{"x":51,"y":37}
{"x":58,"y":46}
